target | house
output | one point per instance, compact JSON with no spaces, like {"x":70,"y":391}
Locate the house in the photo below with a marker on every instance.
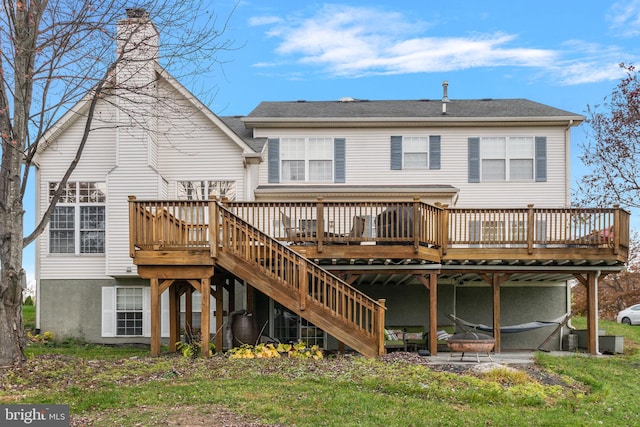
{"x":327,"y":221}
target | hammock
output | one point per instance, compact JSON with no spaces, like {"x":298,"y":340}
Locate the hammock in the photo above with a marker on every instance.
{"x":523,"y":327}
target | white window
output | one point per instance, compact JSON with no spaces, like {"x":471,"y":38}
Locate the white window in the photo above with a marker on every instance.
{"x":77,"y":225}
{"x":415,"y":152}
{"x":307,"y":159}
{"x":129,"y":312}
{"x":201,"y":190}
{"x":507,"y":159}
{"x":126,"y":311}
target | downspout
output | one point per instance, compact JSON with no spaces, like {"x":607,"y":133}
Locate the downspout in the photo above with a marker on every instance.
{"x":567,"y":161}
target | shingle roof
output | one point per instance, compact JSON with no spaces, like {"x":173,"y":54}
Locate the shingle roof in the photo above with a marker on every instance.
{"x":238,"y":127}
{"x":479,"y":108}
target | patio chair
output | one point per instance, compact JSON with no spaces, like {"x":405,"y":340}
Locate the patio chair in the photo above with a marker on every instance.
{"x":291,"y":233}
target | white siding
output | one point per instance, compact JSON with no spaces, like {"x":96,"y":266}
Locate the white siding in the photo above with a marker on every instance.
{"x":97,"y":160}
{"x":368,"y":162}
{"x":119,"y":187}
{"x":193,"y":148}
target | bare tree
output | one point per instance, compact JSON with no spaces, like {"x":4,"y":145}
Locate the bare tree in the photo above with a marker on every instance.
{"x":61,"y":53}
{"x":612,"y":153}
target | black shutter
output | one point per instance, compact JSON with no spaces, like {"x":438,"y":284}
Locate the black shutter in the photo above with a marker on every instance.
{"x":273,"y":151}
{"x":339,"y":163}
{"x":541,"y":158}
{"x":434,"y":151}
{"x":474,"y":159}
{"x":396,"y":152}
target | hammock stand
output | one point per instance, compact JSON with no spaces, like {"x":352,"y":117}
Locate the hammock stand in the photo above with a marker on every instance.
{"x":523,"y":327}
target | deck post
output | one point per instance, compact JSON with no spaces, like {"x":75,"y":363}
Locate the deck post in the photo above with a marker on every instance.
{"x":205,"y":316}
{"x":616,"y":229}
{"x":155,"y":317}
{"x":214,"y":226}
{"x":219,"y":316}
{"x":380,"y":326}
{"x":433,"y":313}
{"x":444,"y":229}
{"x":432,"y":286}
{"x":416,"y":223}
{"x":320,"y":223}
{"x":133,"y":227}
{"x":174,"y":317}
{"x":592,"y":313}
{"x":496,"y":311}
{"x":303,"y":286}
{"x":530,"y":226}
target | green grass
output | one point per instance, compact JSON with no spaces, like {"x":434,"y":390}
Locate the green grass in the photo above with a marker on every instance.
{"x":29,"y":317}
{"x":122,"y":386}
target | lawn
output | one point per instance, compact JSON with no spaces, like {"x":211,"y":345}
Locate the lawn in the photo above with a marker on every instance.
{"x":122,"y":386}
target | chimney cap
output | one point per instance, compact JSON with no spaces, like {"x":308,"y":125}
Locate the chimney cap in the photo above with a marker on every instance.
{"x":137,"y":12}
{"x":445,"y":95}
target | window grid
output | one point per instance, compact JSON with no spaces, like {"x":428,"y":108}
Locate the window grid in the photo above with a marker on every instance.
{"x":415,"y":152}
{"x":78,"y":222}
{"x":201,"y":190}
{"x":307,"y":159}
{"x":129,"y":311}
{"x":507,"y":159}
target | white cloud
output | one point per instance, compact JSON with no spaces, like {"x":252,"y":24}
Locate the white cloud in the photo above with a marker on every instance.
{"x":264,"y":20}
{"x":624,"y":18}
{"x":341,"y":40}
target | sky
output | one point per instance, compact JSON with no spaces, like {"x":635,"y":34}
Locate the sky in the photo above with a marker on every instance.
{"x":565,"y":54}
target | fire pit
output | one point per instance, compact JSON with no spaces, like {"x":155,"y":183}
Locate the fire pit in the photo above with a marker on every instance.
{"x":471,"y":342}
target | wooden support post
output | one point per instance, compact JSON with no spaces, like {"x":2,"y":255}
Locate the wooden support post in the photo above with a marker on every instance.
{"x":616,"y":230}
{"x":205,"y":316}
{"x":214,"y":226}
{"x":303,"y":284}
{"x":530,"y":228}
{"x":250,"y":298}
{"x":320,"y":224}
{"x":591,"y":284}
{"x":432,"y":286}
{"x":495,"y":285}
{"x":433,"y":313}
{"x":380,"y":327}
{"x":219,"y":317}
{"x":133,"y":226}
{"x":155,"y":317}
{"x":232,"y":295}
{"x":416,"y":224}
{"x":444,"y":229}
{"x":174,"y":317}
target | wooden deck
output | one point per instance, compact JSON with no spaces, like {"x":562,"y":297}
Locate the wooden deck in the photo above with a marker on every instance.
{"x":287,"y":250}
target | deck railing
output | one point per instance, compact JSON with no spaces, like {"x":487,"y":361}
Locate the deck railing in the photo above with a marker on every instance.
{"x":539,"y":227}
{"x":299,"y":276}
{"x":185,"y":224}
{"x":323,"y":222}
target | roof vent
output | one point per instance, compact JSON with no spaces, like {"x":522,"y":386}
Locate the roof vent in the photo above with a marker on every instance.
{"x":445,"y":96}
{"x":347,"y":99}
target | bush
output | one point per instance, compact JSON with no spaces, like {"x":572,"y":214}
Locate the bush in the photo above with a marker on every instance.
{"x":28,"y":300}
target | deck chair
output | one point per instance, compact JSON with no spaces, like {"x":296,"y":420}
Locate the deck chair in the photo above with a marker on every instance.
{"x":357,"y":229}
{"x":355,"y":235}
{"x":291,"y":233}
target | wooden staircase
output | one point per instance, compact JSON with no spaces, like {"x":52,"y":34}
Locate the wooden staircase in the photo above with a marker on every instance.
{"x":299,"y":284}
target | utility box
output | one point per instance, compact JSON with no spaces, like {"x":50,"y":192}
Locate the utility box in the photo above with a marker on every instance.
{"x":570,"y":342}
{"x":611,"y":344}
